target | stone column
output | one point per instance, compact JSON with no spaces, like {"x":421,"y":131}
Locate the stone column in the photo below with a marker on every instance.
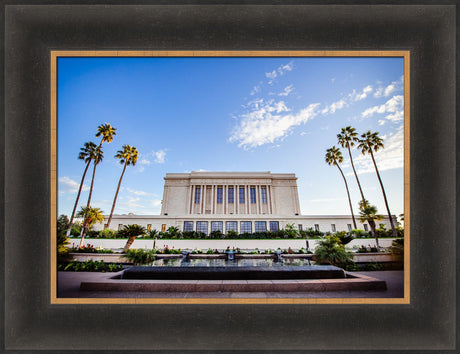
{"x":269,"y":201}
{"x":235,"y":199}
{"x":203,"y":195}
{"x":258,"y":201}
{"x":225,"y":199}
{"x":213,"y":206}
{"x":246,"y":190}
{"x":192,"y":199}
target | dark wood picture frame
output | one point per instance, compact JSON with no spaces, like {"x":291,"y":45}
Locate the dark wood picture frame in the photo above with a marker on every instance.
{"x":33,"y":31}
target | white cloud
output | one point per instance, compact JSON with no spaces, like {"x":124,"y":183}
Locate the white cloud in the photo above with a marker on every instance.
{"x":68,"y":185}
{"x":344,"y":102}
{"x":136,"y":192}
{"x":255,"y":90}
{"x":271,"y":75}
{"x":267,"y":122}
{"x":332,"y":108}
{"x":390,"y":157}
{"x":144,"y":162}
{"x":279,"y":71}
{"x":393,"y":108}
{"x":355,"y":96}
{"x":288,"y":67}
{"x":160,"y":156}
{"x":386,"y":91}
{"x":287,"y":90}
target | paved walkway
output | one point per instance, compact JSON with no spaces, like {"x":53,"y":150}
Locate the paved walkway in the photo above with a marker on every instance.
{"x":69,"y":287}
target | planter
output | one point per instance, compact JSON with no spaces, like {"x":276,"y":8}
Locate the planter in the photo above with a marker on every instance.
{"x":376,"y":257}
{"x":105,"y":257}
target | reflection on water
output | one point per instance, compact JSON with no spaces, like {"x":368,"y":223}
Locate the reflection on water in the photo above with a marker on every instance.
{"x":177,"y":262}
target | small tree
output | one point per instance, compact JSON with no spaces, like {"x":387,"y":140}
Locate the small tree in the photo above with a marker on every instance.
{"x":369,"y":213}
{"x":131,"y":231}
{"x":63,"y":223}
{"x":90,"y":217}
{"x":173,"y":231}
{"x":291,"y":231}
{"x":331,"y":251}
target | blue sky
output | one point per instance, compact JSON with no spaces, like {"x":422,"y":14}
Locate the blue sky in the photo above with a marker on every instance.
{"x":229,"y":114}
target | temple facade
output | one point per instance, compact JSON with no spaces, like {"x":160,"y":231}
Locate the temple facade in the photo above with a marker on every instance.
{"x":238,"y":201}
{"x":230,"y":193}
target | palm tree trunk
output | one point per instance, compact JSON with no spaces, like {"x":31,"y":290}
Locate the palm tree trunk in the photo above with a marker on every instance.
{"x":349,"y":199}
{"x":128,"y":243}
{"x":91,"y":187}
{"x":78,"y":197}
{"x":92,"y":179}
{"x":372,"y":225}
{"x":384,"y":196}
{"x":83,"y":232}
{"x":116,"y":195}
{"x":356,"y":175}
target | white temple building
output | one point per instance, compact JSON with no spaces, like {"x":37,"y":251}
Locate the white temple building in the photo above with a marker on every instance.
{"x":239,"y":201}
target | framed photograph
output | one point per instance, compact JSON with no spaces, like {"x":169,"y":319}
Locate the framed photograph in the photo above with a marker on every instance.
{"x":120,"y":65}
{"x":200,"y":210}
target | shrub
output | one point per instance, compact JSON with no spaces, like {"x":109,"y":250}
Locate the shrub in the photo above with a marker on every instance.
{"x":152,"y":233}
{"x":167,"y":250}
{"x":344,"y":237}
{"x":90,"y":266}
{"x":140,"y":256}
{"x":88,"y":249}
{"x":310,"y":233}
{"x":61,"y":243}
{"x":397,"y":246}
{"x":62,"y":223}
{"x":189,"y":234}
{"x":362,"y":249}
{"x":216,"y":234}
{"x":75,"y":230}
{"x":92,"y":233}
{"x":358,"y":233}
{"x":290,"y":231}
{"x":277,"y":234}
{"x":231,"y":234}
{"x":108,"y":233}
{"x":331,"y":251}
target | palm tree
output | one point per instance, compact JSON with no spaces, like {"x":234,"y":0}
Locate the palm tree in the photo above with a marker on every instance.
{"x":369,"y":143}
{"x":86,"y":154}
{"x":90,"y":217}
{"x":347,"y":139}
{"x":127,"y":156}
{"x":107,"y":132}
{"x":369,"y":213}
{"x":97,"y":157}
{"x":131,"y":231}
{"x":334,"y":157}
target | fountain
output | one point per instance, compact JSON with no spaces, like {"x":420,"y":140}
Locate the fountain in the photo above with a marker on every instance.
{"x":278,"y":256}
{"x":185,"y":255}
{"x":230,"y":254}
